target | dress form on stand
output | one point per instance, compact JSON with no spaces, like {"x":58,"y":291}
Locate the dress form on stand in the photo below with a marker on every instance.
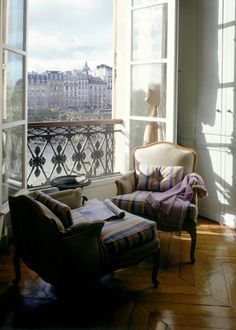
{"x":153,"y":131}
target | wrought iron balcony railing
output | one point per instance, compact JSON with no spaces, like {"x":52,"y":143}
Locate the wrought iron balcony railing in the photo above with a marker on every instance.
{"x":70,"y":148}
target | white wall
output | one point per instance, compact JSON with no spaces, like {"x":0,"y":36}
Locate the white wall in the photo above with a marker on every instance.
{"x":187,"y":73}
{"x":100,"y":189}
{"x":187,"y":81}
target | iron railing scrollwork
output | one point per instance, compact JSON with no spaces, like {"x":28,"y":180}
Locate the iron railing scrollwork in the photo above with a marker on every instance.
{"x":70,"y":148}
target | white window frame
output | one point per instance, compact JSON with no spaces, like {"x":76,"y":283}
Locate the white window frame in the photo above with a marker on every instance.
{"x":122,"y":75}
{"x":23,"y":122}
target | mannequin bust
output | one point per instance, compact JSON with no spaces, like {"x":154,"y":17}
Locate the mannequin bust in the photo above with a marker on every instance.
{"x":152,"y":131}
{"x":153,"y":95}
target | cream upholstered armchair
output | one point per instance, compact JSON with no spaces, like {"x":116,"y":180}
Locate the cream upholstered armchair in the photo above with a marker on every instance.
{"x":150,"y":192}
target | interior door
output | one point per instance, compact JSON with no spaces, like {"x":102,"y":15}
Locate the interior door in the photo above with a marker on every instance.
{"x":228,"y":110}
{"x":215,"y":129}
{"x":13,"y":123}
{"x":145,"y":70}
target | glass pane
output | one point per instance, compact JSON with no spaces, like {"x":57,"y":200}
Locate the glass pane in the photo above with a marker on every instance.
{"x":149,"y":33}
{"x":14,"y":14}
{"x":12,"y":144}
{"x":141,"y":2}
{"x":146,"y":132}
{"x":14,"y":87}
{"x":148,"y":90}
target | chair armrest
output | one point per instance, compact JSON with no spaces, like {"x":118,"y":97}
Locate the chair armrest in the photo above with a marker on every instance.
{"x":198,"y":187}
{"x":70,"y":197}
{"x":126,"y":184}
{"x":195,"y":195}
{"x":82,"y":250}
{"x":84,"y":226}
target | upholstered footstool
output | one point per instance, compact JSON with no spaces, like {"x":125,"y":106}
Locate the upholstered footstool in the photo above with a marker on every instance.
{"x":128,"y":241}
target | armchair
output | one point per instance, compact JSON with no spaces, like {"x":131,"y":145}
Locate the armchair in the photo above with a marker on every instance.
{"x":135,"y":189}
{"x":63,"y":248}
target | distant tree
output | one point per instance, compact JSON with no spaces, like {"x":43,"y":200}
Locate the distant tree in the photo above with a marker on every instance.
{"x":15,"y":101}
{"x":46,"y":114}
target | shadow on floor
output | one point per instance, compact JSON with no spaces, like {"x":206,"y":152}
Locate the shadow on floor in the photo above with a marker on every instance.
{"x":88,"y":308}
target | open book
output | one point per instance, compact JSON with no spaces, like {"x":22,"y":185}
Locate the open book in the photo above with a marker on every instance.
{"x":98,"y":210}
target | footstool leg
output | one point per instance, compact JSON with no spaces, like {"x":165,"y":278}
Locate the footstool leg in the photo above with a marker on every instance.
{"x":156,"y":264}
{"x":16,"y":263}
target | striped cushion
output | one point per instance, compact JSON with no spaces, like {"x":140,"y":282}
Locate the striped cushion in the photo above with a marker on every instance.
{"x":159,"y":178}
{"x":134,"y":202}
{"x":70,"y":197}
{"x":51,"y":216}
{"x":121,"y":235}
{"x":62,"y":211}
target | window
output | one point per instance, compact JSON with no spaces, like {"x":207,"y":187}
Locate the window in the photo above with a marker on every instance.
{"x":13,"y":97}
{"x":145,"y":55}
{"x":75,"y":47}
{"x":139,"y":25}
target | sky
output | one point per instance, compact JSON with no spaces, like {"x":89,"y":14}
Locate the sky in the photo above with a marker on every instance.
{"x":62,"y":35}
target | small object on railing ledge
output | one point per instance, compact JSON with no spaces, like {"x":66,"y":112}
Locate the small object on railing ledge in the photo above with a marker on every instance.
{"x":70,"y":182}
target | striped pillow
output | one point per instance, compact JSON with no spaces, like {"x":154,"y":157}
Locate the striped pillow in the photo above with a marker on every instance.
{"x":51,"y":216}
{"x":159,"y":178}
{"x":61,"y":210}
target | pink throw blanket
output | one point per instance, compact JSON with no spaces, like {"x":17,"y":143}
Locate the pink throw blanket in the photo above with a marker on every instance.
{"x":172,"y":205}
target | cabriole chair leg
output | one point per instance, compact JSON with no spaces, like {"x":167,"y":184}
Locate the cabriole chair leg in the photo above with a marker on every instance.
{"x":193,"y":235}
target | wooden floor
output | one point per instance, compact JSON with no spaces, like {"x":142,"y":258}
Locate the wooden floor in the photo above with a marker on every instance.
{"x":199,"y":296}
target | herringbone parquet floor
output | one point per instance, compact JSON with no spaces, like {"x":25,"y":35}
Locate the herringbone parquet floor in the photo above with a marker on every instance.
{"x":199,"y":296}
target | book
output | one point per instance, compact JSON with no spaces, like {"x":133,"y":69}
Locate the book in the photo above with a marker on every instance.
{"x":101,"y":210}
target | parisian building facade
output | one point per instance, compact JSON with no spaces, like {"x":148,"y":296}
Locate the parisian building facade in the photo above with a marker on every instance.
{"x":76,"y":94}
